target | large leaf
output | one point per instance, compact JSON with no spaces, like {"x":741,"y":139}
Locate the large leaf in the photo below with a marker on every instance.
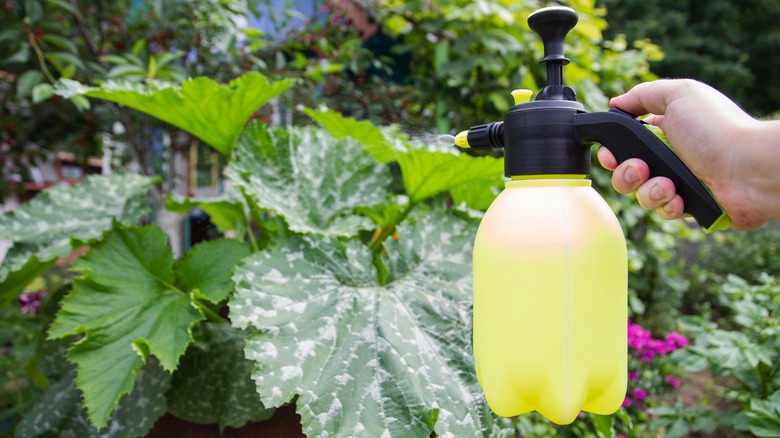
{"x":429,"y":172}
{"x":126,"y":305}
{"x":48,"y":226}
{"x":367,"y":360}
{"x":215,"y":113}
{"x":428,"y":168}
{"x":310,"y":178}
{"x":60,"y":411}
{"x":213,"y":383}
{"x":378,"y":143}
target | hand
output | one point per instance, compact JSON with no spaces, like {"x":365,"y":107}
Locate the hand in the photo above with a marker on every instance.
{"x":734,"y":155}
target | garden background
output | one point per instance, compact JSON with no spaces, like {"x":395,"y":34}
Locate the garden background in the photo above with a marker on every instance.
{"x":238,"y":217}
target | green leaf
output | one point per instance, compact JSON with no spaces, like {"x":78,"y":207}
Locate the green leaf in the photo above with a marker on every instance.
{"x":27,"y":81}
{"x":376,"y":142}
{"x":226,"y":210}
{"x":64,"y":5}
{"x":62,"y":218}
{"x":61,"y":42}
{"x":16,"y":281}
{"x":60,"y":411}
{"x":429,"y":172}
{"x":126,"y":307}
{"x":478,"y":194}
{"x":213,"y":383}
{"x":42,"y":92}
{"x":366,"y":360}
{"x":764,"y":416}
{"x":208,"y":267}
{"x":212,"y":112}
{"x":603,"y":425}
{"x":33,"y":11}
{"x":310,"y":178}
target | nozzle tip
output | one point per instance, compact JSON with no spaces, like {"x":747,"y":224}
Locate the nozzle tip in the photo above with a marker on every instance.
{"x":462,"y":139}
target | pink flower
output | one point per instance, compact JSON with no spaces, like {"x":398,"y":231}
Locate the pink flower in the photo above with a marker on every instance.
{"x":620,"y":436}
{"x":633,"y":375}
{"x":637,"y":336}
{"x":639,"y":394}
{"x":674,"y":381}
{"x":626,"y":402}
{"x":676,"y":340}
{"x":30,"y":302}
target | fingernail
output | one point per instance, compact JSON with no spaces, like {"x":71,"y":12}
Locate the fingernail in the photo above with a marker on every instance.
{"x":668,"y":209}
{"x":656,"y":193}
{"x":631,"y":175}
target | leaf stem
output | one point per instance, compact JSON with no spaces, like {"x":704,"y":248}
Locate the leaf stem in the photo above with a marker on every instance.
{"x":39,"y":54}
{"x":249,"y":232}
{"x":376,"y":243}
{"x":209,"y":313}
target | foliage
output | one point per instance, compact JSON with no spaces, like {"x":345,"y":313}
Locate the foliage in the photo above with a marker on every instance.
{"x":91,"y":208}
{"x":193,"y":106}
{"x":726,"y":43}
{"x":351,"y":275}
{"x":747,"y":355}
{"x":136,"y":41}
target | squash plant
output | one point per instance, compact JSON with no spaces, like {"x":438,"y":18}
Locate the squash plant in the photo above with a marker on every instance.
{"x":347,"y":290}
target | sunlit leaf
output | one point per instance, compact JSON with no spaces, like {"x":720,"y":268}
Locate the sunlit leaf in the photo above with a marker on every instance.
{"x":215,"y":113}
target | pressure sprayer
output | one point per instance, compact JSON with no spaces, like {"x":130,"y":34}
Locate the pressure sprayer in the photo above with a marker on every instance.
{"x":550,"y":265}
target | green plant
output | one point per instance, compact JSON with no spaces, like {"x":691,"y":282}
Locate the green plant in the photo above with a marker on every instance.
{"x":747,"y":354}
{"x":321,"y":304}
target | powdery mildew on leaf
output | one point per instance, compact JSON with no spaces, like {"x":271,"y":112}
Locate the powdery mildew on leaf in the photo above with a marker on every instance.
{"x":367,"y":360}
{"x":46,"y":226}
{"x":213,"y":383}
{"x":310,"y":178}
{"x":60,"y":411}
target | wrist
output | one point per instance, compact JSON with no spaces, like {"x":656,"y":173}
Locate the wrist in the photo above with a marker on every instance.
{"x":758,"y":172}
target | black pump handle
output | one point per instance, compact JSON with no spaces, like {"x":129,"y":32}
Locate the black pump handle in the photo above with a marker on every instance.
{"x":627,"y":138}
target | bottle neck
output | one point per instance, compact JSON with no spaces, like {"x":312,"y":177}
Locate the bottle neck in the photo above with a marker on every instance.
{"x":548,"y":181}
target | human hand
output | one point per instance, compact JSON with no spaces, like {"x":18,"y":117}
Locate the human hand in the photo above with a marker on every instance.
{"x":729,"y":151}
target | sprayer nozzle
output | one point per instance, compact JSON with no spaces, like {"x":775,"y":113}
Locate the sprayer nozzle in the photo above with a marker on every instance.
{"x":462,"y":139}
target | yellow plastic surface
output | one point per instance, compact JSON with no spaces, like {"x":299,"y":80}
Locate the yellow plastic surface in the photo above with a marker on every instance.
{"x":462,"y":139}
{"x":521,"y":95}
{"x":550,"y":300}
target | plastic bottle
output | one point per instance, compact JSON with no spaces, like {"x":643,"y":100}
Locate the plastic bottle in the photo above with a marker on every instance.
{"x":550,"y":298}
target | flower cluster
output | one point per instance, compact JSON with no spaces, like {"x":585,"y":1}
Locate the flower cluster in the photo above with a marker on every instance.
{"x":648,"y":368}
{"x":646,"y":347}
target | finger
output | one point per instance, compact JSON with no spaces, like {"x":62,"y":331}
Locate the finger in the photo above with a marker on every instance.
{"x":630,"y":175}
{"x":654,"y":119}
{"x":655,"y":193}
{"x":606,"y":158}
{"x":673,"y":209}
{"x":648,"y":97}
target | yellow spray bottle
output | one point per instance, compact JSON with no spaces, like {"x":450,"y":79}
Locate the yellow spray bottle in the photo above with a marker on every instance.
{"x":550,"y":268}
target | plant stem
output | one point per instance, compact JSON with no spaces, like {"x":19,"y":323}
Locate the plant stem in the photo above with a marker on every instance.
{"x":376,"y":244}
{"x":249,"y":232}
{"x":39,"y":54}
{"x":210,"y":313}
